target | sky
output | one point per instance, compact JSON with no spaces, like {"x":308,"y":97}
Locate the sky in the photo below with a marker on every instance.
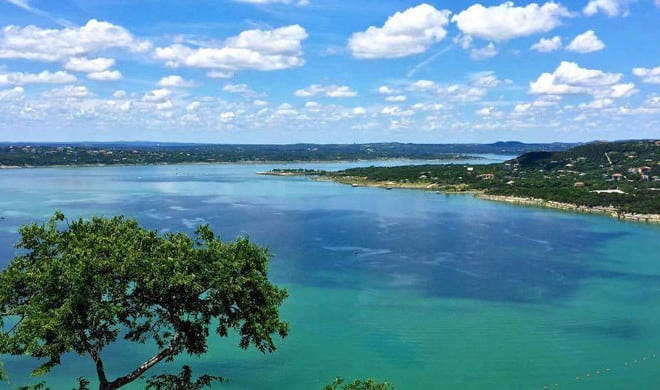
{"x":329,"y":71}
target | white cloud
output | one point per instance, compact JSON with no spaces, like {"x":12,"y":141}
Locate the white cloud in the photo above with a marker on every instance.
{"x":120,"y":94}
{"x":227,"y":116}
{"x":522,"y":107}
{"x":570,"y":78}
{"x":51,"y":45}
{"x":263,"y":2}
{"x":461,"y":93}
{"x":486,"y":111}
{"x":164,"y":106}
{"x":597,"y":104}
{"x":405,"y":33}
{"x":385,"y":90}
{"x":285,"y":109}
{"x":486,"y":79}
{"x":333,"y":91}
{"x":193,"y":106}
{"x":216,"y":74}
{"x":83,"y":64}
{"x":586,"y":42}
{"x":648,"y":75}
{"x":423,"y":86}
{"x":505,"y":21}
{"x":175,"y":81}
{"x":241,"y":89}
{"x":398,"y":98}
{"x":15,"y":93}
{"x":464,"y":41}
{"x":106,"y":75}
{"x":608,"y":7}
{"x":545,"y":45}
{"x":68,"y":91}
{"x":157,"y":95}
{"x":359,"y":111}
{"x":484,"y":52}
{"x":263,"y":50}
{"x":45,"y":77}
{"x":621,"y":90}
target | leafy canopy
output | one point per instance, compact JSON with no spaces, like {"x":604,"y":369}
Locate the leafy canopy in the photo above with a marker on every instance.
{"x":358,"y":384}
{"x":82,"y":285}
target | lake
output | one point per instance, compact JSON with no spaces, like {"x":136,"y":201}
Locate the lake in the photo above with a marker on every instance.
{"x":422,"y":289}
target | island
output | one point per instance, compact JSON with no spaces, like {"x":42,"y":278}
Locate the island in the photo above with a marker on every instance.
{"x":621,"y":179}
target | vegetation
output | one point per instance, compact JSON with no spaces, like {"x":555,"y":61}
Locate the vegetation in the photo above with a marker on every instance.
{"x":573,"y":176}
{"x":358,"y":384}
{"x":82,"y":285}
{"x":24,"y":155}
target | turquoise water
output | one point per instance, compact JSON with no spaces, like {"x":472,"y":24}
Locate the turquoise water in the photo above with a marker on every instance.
{"x":417,"y":288}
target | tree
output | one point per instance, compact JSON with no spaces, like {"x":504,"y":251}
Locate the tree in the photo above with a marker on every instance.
{"x":358,"y":384}
{"x":82,"y":285}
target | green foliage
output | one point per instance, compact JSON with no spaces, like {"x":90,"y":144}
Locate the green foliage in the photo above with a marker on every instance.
{"x":80,"y":286}
{"x":369,"y":384}
{"x":183,"y":381}
{"x":544,"y":175}
{"x":137,"y":153}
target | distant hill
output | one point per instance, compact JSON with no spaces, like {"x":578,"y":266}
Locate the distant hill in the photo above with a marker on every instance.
{"x":48,"y":154}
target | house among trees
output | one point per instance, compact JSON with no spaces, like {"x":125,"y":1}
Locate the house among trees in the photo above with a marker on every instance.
{"x":617,"y":177}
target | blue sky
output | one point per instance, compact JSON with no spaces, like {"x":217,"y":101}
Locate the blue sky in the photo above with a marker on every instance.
{"x":329,"y":71}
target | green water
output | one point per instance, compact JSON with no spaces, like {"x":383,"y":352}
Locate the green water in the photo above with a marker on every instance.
{"x":420,"y":289}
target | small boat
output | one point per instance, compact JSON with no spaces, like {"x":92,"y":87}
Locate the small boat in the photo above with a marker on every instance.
{"x":388,"y":188}
{"x":355,"y":185}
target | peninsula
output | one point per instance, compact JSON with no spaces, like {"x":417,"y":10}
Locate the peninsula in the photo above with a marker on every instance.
{"x":621,"y":179}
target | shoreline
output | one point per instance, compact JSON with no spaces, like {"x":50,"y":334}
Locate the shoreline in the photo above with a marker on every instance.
{"x":246,"y":162}
{"x":570,"y":207}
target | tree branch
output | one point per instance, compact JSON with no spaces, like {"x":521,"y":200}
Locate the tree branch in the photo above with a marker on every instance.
{"x":100,"y":371}
{"x":147,"y":364}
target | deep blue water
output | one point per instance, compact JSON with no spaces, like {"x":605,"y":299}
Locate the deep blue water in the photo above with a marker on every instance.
{"x":408,"y":286}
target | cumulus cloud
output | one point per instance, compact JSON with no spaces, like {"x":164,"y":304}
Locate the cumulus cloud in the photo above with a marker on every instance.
{"x":359,"y":111}
{"x":486,"y":79}
{"x":522,"y":107}
{"x":83,"y":64}
{"x":423,"y":86}
{"x":570,"y":78}
{"x":398,"y":98}
{"x":52,"y":45}
{"x":546,"y":45}
{"x":483,"y":53}
{"x":608,"y":7}
{"x":175,"y":81}
{"x":333,"y":91}
{"x":405,"y":33}
{"x":586,"y":42}
{"x":157,"y":95}
{"x":263,"y":50}
{"x":68,"y":91}
{"x":193,"y":106}
{"x":15,"y":93}
{"x":106,"y":75}
{"x":648,"y":75}
{"x":45,"y":77}
{"x":486,"y":111}
{"x":240,"y":89}
{"x":506,"y":21}
{"x":385,"y":90}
